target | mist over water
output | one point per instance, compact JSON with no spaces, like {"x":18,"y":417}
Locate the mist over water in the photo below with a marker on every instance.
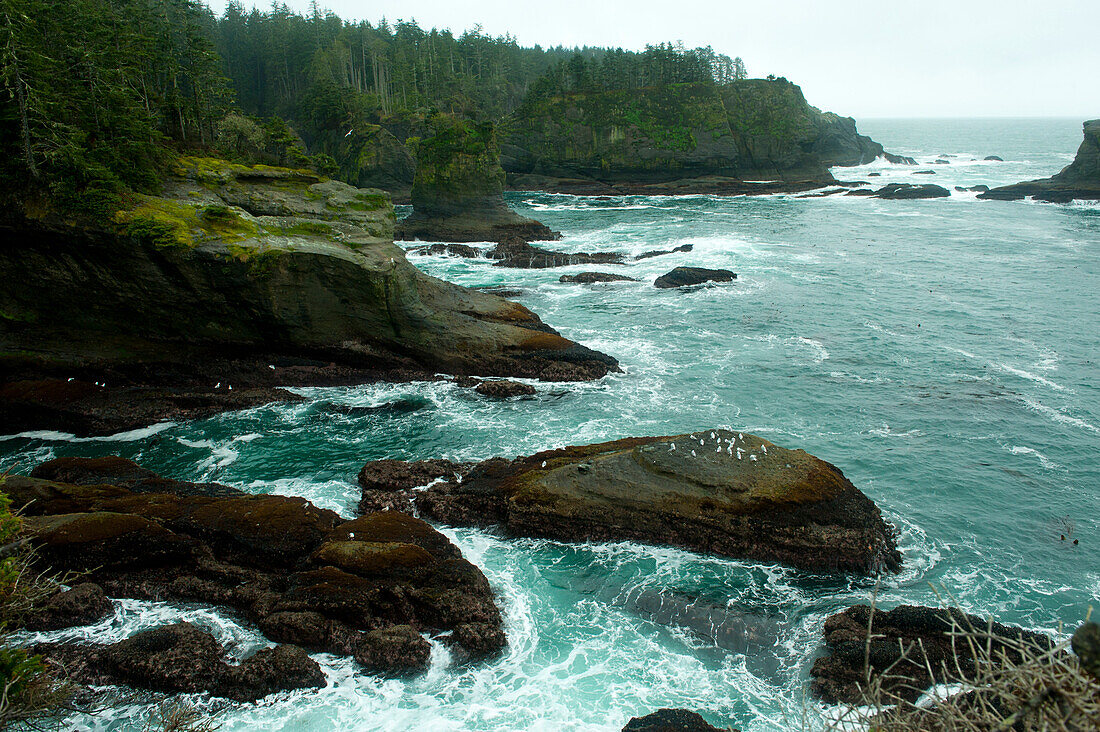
{"x":942,"y":353}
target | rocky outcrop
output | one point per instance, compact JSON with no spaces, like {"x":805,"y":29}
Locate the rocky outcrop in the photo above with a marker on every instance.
{"x":715,"y":492}
{"x":504,"y":388}
{"x":82,"y":604}
{"x":517,"y":253}
{"x":234,"y":282}
{"x":661,"y":252}
{"x":369,"y":156}
{"x":184,"y":658}
{"x":680,"y":138}
{"x":591,"y":278}
{"x":688,"y":276}
{"x":911,"y":649}
{"x":1078,"y":180}
{"x":671,"y":720}
{"x":904,"y":191}
{"x":368,"y":588}
{"x":458,"y":191}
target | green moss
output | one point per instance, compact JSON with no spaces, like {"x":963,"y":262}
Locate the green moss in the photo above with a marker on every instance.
{"x":164,"y":222}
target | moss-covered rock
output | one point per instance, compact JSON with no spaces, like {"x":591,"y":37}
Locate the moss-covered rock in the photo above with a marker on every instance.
{"x":232,"y":270}
{"x":458,"y":192}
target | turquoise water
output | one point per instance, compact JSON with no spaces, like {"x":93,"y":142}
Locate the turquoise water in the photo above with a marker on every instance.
{"x":942,"y":353}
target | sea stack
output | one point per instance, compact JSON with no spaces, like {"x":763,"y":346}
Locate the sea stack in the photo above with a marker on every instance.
{"x":1078,"y":180}
{"x":458,"y":191}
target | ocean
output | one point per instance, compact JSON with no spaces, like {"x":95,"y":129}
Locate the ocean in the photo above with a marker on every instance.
{"x":942,"y":353}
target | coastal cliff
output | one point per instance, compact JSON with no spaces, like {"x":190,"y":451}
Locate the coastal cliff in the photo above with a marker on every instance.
{"x":252,"y":277}
{"x":1078,"y":180}
{"x":635,"y":140}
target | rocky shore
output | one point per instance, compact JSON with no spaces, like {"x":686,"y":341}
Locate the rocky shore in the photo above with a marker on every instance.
{"x":716,"y":492}
{"x":234,"y":282}
{"x":1080,"y":180}
{"x":374,"y":588}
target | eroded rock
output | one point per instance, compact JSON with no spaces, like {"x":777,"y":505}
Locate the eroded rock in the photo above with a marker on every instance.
{"x":730,"y":494}
{"x":689,"y":276}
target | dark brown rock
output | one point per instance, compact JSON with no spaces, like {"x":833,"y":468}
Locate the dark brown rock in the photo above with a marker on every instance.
{"x":299,"y":572}
{"x":123,"y":473}
{"x":83,"y":604}
{"x":737,"y":495}
{"x":386,"y":482}
{"x":394,"y":650}
{"x":184,"y":658}
{"x":504,"y":388}
{"x":455,"y":250}
{"x":670,"y":720}
{"x":922,"y":634}
{"x":905,"y":191}
{"x":688,"y":276}
{"x":662,"y":252}
{"x":517,"y":253}
{"x":589,"y":278}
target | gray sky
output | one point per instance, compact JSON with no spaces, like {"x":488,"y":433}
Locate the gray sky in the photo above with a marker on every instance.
{"x":935,"y":58}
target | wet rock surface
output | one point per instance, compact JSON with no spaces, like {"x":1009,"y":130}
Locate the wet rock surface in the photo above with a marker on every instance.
{"x":906,"y":191}
{"x":730,"y":494}
{"x":670,"y":720}
{"x":503,"y":388}
{"x":302,"y":574}
{"x":517,"y":253}
{"x":1078,"y":180}
{"x":689,"y":276}
{"x":184,"y":658}
{"x":590,"y":278}
{"x":662,"y":252}
{"x":906,"y":643}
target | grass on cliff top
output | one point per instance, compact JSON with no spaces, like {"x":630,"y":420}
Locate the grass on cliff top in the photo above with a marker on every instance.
{"x":165,"y":222}
{"x":212,"y":171}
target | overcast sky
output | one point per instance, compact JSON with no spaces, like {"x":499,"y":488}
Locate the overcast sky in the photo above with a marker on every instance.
{"x":935,"y":58}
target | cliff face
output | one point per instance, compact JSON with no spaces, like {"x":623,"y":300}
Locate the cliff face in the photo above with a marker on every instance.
{"x":370,"y":156}
{"x":458,"y":191}
{"x":1078,"y":180}
{"x":751,"y":129}
{"x":236,"y":269}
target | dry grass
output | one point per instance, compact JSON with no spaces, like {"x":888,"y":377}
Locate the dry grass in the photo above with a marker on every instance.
{"x":1014,"y":685}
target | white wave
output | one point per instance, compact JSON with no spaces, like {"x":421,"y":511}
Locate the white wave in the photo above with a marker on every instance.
{"x":1060,"y":417}
{"x":1043,"y":460}
{"x":1029,"y":376}
{"x":819,"y":350}
{"x":128,"y":436}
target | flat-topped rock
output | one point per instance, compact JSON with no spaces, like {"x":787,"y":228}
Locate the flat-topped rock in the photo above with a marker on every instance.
{"x":908,"y":192}
{"x":715,"y":492}
{"x":689,"y":276}
{"x":590,"y":278}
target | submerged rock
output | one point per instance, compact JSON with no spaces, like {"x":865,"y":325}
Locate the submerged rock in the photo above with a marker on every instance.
{"x":302,"y":574}
{"x":504,"y":388}
{"x":994,"y":158}
{"x":688,"y":276}
{"x":184,"y":658}
{"x":589,"y":278}
{"x":517,"y":253}
{"x":1078,"y":180}
{"x":922,"y":635}
{"x":671,"y":720}
{"x":732,"y":494}
{"x":662,"y":252}
{"x":234,"y":282}
{"x":458,"y":191}
{"x":905,"y":191}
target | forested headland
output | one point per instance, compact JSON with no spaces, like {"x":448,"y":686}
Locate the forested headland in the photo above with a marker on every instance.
{"x":98,"y":94}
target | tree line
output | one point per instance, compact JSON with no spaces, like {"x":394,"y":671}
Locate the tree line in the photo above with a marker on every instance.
{"x":93,"y":93}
